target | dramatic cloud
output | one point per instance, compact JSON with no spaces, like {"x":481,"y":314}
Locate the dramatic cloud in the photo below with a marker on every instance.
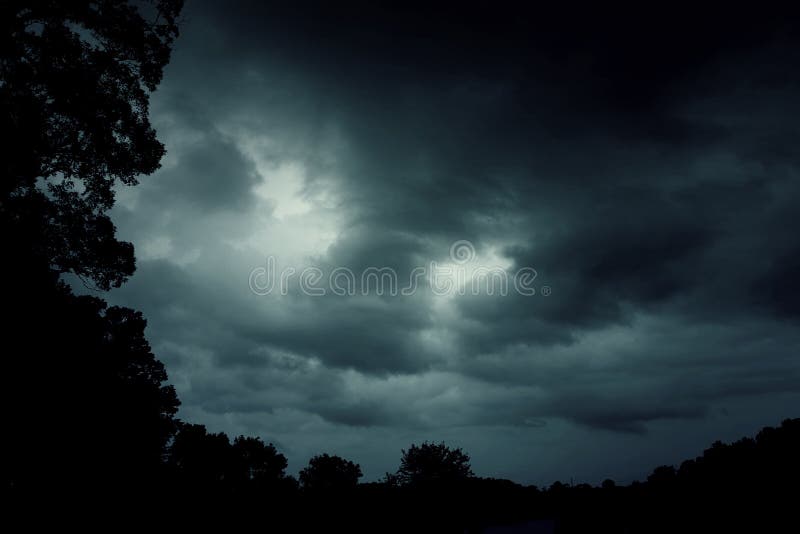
{"x":648,"y":172}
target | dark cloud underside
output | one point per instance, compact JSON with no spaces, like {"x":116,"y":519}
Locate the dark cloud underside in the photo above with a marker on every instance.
{"x":645,"y":164}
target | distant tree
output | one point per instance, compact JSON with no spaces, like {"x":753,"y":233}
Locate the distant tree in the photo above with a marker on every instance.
{"x":662,"y":476}
{"x":431,"y":463}
{"x":608,"y":484}
{"x":390,"y":479}
{"x":326,"y":472}
{"x":207,"y":461}
{"x":258,"y":462}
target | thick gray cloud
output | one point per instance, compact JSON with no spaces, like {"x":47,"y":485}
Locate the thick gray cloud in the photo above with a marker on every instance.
{"x":652,"y":184}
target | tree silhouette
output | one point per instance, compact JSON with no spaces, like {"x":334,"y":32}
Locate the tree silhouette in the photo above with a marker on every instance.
{"x":201,"y":459}
{"x":92,"y":382}
{"x":325,"y":472}
{"x":431,"y":463}
{"x":258,"y":463}
{"x":140,"y":407}
{"x":76,"y":79}
{"x":83,"y":397}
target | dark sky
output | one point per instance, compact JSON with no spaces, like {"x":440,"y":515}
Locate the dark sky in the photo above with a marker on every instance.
{"x":645,"y":164}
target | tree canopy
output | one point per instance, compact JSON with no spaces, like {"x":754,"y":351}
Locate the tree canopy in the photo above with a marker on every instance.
{"x":327,"y":472}
{"x":76,"y":81}
{"x":433,"y":462}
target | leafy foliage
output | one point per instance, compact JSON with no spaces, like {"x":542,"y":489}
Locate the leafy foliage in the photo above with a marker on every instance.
{"x":76,"y":79}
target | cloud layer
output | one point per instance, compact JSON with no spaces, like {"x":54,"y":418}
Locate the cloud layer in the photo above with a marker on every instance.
{"x":651,"y":181}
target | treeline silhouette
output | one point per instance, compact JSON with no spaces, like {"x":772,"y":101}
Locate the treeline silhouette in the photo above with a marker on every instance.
{"x":750,"y":485}
{"x":89,"y":417}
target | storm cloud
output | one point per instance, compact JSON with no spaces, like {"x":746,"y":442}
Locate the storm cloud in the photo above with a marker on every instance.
{"x":645,"y":166}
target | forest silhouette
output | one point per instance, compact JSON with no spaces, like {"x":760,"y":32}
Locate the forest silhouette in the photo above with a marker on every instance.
{"x":88,"y":412}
